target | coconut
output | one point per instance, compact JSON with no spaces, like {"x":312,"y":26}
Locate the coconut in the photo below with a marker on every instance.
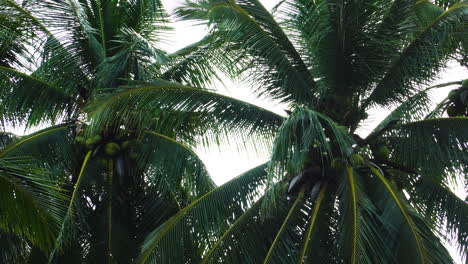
{"x":89,"y":143}
{"x":126,"y":144}
{"x":336,"y":164}
{"x":97,"y":139}
{"x":457,"y":109}
{"x":102,"y":162}
{"x":453,"y":95}
{"x":382,"y":153}
{"x":80,"y":139}
{"x":357,"y":160}
{"x":464,"y":97}
{"x":452,"y":110}
{"x":112,"y":149}
{"x":365,"y":116}
{"x":134,"y":156}
{"x":465,"y":84}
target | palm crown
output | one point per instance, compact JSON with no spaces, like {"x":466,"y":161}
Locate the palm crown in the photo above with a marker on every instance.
{"x":328,"y":195}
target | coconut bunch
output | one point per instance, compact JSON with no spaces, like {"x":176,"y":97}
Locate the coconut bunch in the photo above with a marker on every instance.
{"x":458,"y":101}
{"x":110,"y":147}
{"x":314,"y":172}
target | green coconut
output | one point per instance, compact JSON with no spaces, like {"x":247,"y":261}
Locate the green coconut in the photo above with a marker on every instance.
{"x":464,"y":97}
{"x":80,"y":139}
{"x":97,"y":139}
{"x":134,"y":156}
{"x":365,"y":116}
{"x":383,"y":152}
{"x":102,"y":162}
{"x":336,"y":164}
{"x":452,"y":111}
{"x":357,"y":160}
{"x":112,"y":149}
{"x":457,"y":109}
{"x":126,"y":144}
{"x":465,"y":83}
{"x":90,"y":143}
{"x":453,"y":95}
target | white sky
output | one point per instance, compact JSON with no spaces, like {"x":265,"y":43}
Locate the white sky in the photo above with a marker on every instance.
{"x":227,"y":163}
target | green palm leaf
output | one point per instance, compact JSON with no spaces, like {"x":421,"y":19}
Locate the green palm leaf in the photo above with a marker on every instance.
{"x":420,"y":238}
{"x":31,"y":203}
{"x":254,"y":33}
{"x":443,"y":142}
{"x":436,"y":201}
{"x":139,"y":107}
{"x":302,"y":131}
{"x":405,"y":71}
{"x":207,"y":216}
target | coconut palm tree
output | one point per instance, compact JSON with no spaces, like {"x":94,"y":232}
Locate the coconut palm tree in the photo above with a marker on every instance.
{"x":327,"y":194}
{"x":55,"y":58}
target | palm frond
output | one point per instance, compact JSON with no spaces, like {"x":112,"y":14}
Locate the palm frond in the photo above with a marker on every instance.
{"x":435,"y":200}
{"x":417,"y":63}
{"x":176,"y":166}
{"x":66,"y":232}
{"x":52,"y":148}
{"x":431,"y":145}
{"x":308,"y":239}
{"x":304,"y":130}
{"x":273,"y":250}
{"x":135,"y":55}
{"x":32,"y":205}
{"x":139,"y":108}
{"x":196,"y":64}
{"x":259,"y":44}
{"x":12,"y":248}
{"x":204,"y":220}
{"x":32,"y":98}
{"x":414,"y":108}
{"x":360,"y":238}
{"x":424,"y":246}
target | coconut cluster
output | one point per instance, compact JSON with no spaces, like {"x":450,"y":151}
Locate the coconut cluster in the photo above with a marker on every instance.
{"x":458,"y":105}
{"x":110,"y":148}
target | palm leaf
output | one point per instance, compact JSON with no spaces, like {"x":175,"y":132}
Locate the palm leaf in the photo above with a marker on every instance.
{"x":66,"y":232}
{"x":312,"y":224}
{"x":248,"y":27}
{"x":417,"y":63}
{"x":436,"y":201}
{"x":179,"y":168}
{"x":273,"y":248}
{"x":444,"y":140}
{"x":31,"y":97}
{"x":138,"y":108}
{"x":421,"y":238}
{"x":52,"y":148}
{"x":302,"y":131}
{"x":205,"y":218}
{"x":31,"y":204}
